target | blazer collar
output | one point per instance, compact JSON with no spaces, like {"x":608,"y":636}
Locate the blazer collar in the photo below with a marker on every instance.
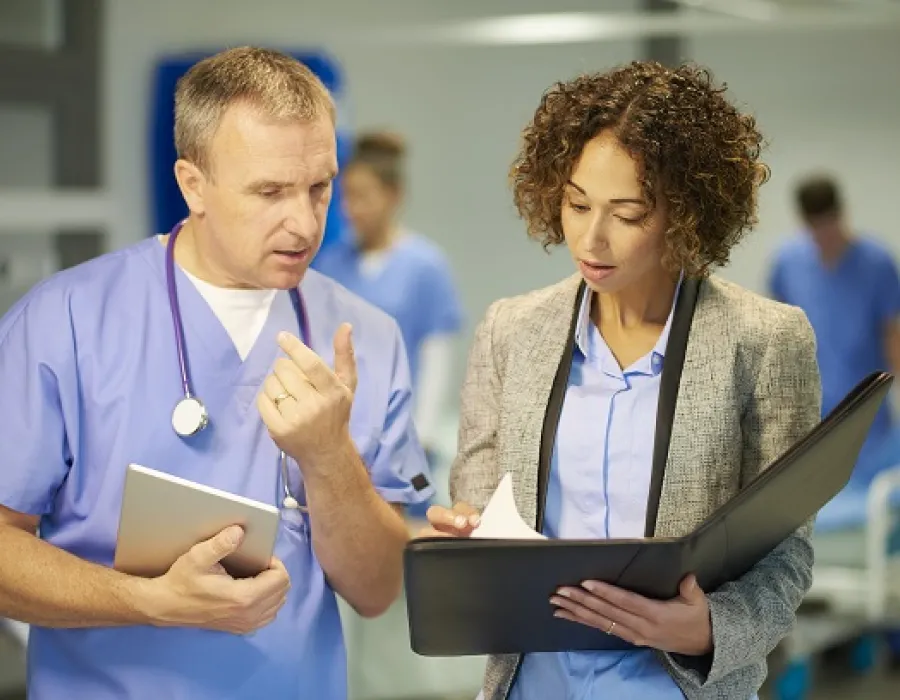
{"x":549,"y":353}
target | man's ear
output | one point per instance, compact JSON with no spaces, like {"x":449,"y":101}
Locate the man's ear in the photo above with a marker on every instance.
{"x":192,"y":183}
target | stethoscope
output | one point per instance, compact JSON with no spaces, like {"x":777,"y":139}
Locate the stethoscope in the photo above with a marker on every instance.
{"x":190,"y":415}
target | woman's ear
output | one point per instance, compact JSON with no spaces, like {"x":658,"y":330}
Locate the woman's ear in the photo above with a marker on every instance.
{"x":192,"y":183}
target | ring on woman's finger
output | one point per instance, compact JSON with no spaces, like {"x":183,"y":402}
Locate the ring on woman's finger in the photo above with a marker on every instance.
{"x":612,"y":626}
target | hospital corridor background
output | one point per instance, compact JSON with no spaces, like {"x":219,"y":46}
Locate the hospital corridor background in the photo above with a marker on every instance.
{"x":86,"y":90}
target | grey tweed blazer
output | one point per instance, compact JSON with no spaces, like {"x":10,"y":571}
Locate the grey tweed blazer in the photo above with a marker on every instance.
{"x":749,"y":389}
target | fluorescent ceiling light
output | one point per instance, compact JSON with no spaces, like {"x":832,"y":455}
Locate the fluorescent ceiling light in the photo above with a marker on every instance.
{"x":588,"y":27}
{"x":746,"y":9}
{"x":543,"y":28}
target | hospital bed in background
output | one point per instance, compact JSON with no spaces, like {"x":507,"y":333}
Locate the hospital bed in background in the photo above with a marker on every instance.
{"x":857,"y":546}
{"x":855,"y":595}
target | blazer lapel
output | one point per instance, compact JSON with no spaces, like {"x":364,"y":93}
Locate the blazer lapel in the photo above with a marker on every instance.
{"x":554,"y":409}
{"x":540,"y":346}
{"x":676,"y":349}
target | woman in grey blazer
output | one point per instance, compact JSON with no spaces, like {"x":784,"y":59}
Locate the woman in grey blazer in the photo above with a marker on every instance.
{"x":642,"y":393}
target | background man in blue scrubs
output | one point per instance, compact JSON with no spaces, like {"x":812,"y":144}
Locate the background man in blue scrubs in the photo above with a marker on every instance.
{"x":849,"y":287}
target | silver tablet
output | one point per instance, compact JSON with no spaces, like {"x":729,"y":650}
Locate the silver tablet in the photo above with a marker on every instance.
{"x":163,"y":516}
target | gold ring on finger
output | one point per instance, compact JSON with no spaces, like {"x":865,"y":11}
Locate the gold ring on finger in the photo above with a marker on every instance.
{"x":281,"y":397}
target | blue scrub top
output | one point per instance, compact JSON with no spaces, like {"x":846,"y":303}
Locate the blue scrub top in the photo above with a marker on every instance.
{"x":415,"y":286}
{"x":849,"y":307}
{"x":90,"y":376}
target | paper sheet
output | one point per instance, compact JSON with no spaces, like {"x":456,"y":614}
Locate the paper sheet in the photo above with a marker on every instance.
{"x":500,"y":518}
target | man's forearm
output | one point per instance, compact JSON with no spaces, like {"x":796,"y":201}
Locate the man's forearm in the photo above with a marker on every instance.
{"x":43,"y":585}
{"x":357,"y":536}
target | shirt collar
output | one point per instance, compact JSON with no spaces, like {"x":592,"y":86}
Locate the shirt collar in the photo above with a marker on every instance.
{"x":652,"y":363}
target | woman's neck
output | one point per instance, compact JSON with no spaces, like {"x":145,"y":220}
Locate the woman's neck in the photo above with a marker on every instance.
{"x":645,"y":303}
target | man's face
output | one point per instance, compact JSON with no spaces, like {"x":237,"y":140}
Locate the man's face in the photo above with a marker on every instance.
{"x":370,"y":205}
{"x":265,"y":198}
{"x":826,"y":229}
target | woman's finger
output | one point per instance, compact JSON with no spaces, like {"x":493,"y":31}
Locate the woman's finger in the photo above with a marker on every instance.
{"x":461,"y":519}
{"x":568,"y":609}
{"x":431,"y":532}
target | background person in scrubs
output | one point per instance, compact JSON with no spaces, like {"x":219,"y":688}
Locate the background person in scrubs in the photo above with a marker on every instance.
{"x":401,"y":272}
{"x":849,"y":287}
{"x":88,"y":365}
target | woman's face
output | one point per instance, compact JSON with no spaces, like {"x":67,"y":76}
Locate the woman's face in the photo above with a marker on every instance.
{"x":614,"y":237}
{"x":370,"y":205}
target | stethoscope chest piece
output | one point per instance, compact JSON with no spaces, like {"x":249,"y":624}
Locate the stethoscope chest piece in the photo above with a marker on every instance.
{"x":189,"y":417}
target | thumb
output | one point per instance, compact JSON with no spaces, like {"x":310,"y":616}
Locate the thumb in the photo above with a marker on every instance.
{"x":344,"y":358}
{"x":212,"y":551}
{"x":690,"y":589}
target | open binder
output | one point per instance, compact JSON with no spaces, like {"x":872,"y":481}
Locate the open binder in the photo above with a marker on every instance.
{"x":481,"y":596}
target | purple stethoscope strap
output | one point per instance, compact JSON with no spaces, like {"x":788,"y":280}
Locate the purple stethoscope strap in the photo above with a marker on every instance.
{"x":171,"y":286}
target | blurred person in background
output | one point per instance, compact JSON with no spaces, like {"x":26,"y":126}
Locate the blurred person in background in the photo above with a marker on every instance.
{"x":848,"y":285}
{"x":649,"y":176}
{"x":399,"y":271}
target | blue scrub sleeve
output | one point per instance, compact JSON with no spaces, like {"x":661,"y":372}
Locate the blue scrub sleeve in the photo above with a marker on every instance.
{"x":888,"y":292}
{"x":441,"y":308}
{"x":776,"y":288}
{"x":38,"y":380}
{"x":399,"y":469}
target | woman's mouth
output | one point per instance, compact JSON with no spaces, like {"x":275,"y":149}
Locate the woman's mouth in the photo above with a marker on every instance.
{"x":594,"y":271}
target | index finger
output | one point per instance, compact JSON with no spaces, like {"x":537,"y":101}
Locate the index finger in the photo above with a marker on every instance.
{"x":318,"y":373}
{"x":625,"y":600}
{"x":461,"y":518}
{"x":268,"y":581}
{"x":276,"y":564}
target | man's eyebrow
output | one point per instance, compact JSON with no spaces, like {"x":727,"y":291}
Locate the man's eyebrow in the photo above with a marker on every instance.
{"x":266,"y":183}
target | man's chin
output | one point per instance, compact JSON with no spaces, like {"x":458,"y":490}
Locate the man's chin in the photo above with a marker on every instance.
{"x":284,"y":280}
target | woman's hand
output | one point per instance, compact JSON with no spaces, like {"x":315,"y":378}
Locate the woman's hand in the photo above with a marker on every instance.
{"x":680,"y":625}
{"x":446,"y":522}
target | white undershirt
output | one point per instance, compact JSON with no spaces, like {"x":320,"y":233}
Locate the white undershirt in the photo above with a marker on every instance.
{"x":243,"y":312}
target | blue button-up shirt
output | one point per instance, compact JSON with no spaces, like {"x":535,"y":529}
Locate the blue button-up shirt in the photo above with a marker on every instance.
{"x":598,"y":488}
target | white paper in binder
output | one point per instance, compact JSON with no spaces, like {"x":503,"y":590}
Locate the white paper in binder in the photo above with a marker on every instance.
{"x":501,"y":520}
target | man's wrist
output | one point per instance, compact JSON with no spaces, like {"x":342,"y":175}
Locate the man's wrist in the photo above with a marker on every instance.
{"x":329,"y":462}
{"x":143,"y":599}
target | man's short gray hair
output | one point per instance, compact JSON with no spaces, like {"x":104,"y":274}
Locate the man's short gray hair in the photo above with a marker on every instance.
{"x":277,"y":84}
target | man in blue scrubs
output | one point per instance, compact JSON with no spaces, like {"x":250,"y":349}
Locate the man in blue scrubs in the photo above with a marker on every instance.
{"x":849,"y":287}
{"x":89,"y":365}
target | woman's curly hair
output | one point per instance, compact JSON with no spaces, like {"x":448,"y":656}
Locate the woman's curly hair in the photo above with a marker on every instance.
{"x":693,"y":148}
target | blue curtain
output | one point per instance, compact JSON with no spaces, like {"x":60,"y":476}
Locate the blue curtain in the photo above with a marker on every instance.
{"x":167,"y":205}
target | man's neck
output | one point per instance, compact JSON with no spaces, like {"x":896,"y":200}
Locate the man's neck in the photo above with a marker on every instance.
{"x":193,"y":259}
{"x":834,"y":249}
{"x":383,"y":240}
